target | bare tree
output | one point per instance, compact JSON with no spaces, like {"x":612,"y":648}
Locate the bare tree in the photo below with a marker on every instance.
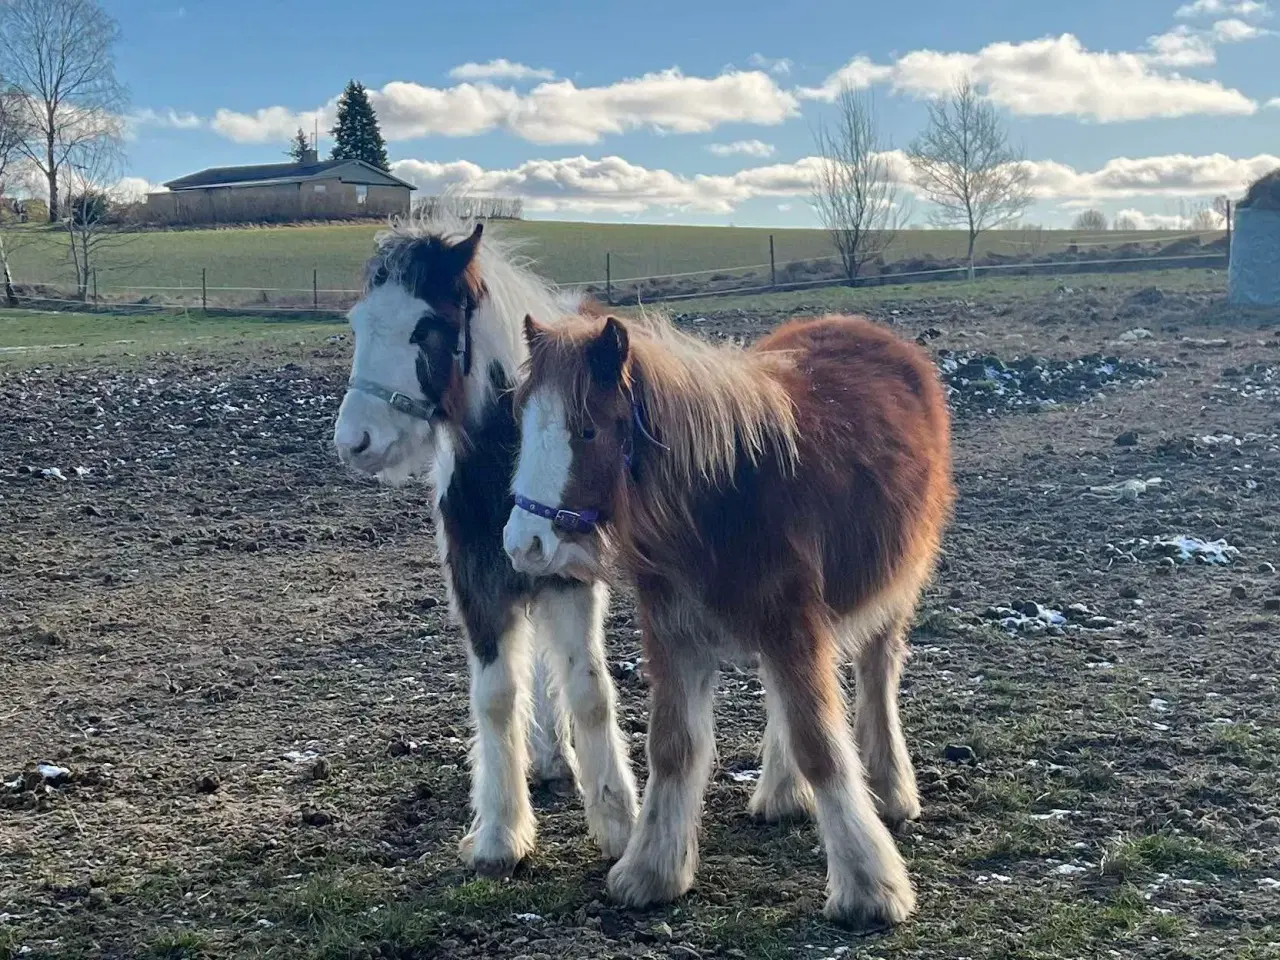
{"x":1125,"y":223}
{"x":1093,"y":221}
{"x":91,"y":173}
{"x":1205,"y":220}
{"x":963,"y":163}
{"x":853,"y":191}
{"x":14,"y":130}
{"x":59,"y":57}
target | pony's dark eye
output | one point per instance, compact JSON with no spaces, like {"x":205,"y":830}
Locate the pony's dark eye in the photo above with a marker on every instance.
{"x":588,"y":433}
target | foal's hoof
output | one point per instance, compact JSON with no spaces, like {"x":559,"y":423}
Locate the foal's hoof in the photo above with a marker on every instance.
{"x":871,"y":907}
{"x":791,"y":800}
{"x":895,"y":806}
{"x":634,"y":884}
{"x":495,"y":853}
{"x":554,"y":770}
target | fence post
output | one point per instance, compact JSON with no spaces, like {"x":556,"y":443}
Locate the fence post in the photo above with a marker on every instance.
{"x":95,"y":286}
{"x":773,"y":272}
{"x":1228,"y":233}
{"x":608,"y":278}
{"x":204,"y":289}
{"x":315,"y":290}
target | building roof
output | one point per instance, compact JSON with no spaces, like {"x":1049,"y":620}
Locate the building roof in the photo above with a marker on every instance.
{"x":351,"y":171}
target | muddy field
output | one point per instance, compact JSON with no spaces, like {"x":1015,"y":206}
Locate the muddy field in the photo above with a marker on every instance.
{"x":233,"y":715}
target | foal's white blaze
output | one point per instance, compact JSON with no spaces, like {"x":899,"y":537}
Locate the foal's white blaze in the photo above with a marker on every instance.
{"x":542,"y":473}
{"x":370,"y":435}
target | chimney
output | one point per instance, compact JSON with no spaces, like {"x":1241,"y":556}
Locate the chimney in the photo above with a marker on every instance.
{"x":310,"y":155}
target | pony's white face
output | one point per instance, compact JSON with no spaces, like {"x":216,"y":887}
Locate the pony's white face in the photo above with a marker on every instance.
{"x":575,"y":434}
{"x":406,"y":379}
{"x":371,"y":435}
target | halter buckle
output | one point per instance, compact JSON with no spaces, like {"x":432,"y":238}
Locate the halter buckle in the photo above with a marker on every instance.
{"x":404,"y":403}
{"x":570,"y":522}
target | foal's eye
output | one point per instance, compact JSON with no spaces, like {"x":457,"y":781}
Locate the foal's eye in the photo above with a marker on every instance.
{"x":588,"y":433}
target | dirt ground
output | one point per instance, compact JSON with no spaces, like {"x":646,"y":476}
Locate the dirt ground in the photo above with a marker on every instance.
{"x":234,"y":662}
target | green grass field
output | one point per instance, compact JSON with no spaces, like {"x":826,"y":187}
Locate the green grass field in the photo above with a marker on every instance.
{"x":34,"y":338}
{"x":255,"y":259}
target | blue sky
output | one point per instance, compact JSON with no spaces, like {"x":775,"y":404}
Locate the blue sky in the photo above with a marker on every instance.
{"x":703,"y":112}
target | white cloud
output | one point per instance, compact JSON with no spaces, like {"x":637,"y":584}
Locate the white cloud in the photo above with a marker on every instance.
{"x":1217,"y":8}
{"x":265,"y":125}
{"x":1182,"y":47}
{"x":667,"y":101}
{"x":1173,"y":175}
{"x":131,"y":189}
{"x":858,"y":73}
{"x":165,"y":118}
{"x":500,"y":69}
{"x":1274,"y":103}
{"x":746,"y":148}
{"x":610,"y":184}
{"x":614,"y":185}
{"x":554,"y":112}
{"x":1057,"y":76}
{"x":1236,"y":31}
{"x":780,"y":66}
{"x":1150,"y":221}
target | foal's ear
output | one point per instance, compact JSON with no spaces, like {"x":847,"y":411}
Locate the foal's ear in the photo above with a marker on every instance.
{"x":533,"y":330}
{"x":464,"y":252}
{"x":607,"y":353}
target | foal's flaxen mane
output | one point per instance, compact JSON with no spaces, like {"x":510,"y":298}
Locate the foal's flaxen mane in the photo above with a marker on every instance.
{"x":711,"y":403}
{"x":707,"y":404}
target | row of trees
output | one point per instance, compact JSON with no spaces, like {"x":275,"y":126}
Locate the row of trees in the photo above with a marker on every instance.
{"x":962,"y":163}
{"x":1198,"y":219}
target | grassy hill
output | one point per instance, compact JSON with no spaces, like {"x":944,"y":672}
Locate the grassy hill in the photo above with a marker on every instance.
{"x":256,"y":259}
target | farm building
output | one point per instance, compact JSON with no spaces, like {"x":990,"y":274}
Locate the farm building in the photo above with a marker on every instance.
{"x":313,"y":189}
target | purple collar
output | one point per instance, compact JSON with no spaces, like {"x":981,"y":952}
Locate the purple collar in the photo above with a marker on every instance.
{"x":584,"y":521}
{"x":568,"y":521}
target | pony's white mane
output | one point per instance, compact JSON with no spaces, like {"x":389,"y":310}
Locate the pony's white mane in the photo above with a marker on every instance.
{"x":514,"y":291}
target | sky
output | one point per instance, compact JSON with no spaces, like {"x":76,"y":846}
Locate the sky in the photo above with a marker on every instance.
{"x":704,"y":111}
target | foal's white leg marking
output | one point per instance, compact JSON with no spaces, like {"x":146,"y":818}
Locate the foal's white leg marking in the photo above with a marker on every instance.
{"x":662,"y":856}
{"x":573,"y":622}
{"x":866,"y":877}
{"x":782,"y":793}
{"x":550,"y":741}
{"x":502,"y":831}
{"x":878,"y":728}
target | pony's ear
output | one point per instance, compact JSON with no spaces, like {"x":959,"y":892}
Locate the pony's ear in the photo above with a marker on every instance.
{"x":464,"y":252}
{"x":607,"y":353}
{"x":533,"y":330}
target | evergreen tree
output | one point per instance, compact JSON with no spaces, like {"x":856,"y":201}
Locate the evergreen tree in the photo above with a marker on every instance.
{"x":356,"y":133}
{"x":298,"y":146}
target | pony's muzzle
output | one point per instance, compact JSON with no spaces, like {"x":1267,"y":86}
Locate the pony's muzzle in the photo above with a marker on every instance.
{"x":530,"y":543}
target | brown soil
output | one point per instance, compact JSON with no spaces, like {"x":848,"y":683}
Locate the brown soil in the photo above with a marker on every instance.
{"x":240,"y":656}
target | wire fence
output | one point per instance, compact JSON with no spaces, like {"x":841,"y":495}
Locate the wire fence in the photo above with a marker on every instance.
{"x":737,"y":280}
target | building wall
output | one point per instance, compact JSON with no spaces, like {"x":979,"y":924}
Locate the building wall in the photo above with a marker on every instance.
{"x":276,"y":203}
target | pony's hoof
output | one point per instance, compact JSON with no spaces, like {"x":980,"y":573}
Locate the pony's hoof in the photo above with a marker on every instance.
{"x":553,"y":768}
{"x":611,"y":829}
{"x":791,"y":800}
{"x":872,"y":906}
{"x":633,"y":884}
{"x":495,"y":853}
{"x":896,"y":807}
